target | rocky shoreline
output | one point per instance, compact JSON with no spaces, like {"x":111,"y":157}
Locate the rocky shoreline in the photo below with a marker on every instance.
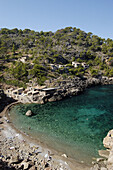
{"x":72,"y":87}
{"x":55,"y":90}
{"x":18,"y":151}
{"x":78,"y":85}
{"x":106,"y":160}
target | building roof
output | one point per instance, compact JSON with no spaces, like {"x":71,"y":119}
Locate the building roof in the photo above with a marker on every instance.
{"x":35,"y":92}
{"x":20,"y":88}
{"x":15,"y":90}
{"x":49,"y":89}
{"x":40,"y":87}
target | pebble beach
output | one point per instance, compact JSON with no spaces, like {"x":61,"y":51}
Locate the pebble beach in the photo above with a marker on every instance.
{"x":19,"y":151}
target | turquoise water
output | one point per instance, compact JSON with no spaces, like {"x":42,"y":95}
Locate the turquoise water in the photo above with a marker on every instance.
{"x":75,"y":126}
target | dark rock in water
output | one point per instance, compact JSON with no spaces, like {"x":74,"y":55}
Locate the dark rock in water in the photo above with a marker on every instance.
{"x":29,"y":113}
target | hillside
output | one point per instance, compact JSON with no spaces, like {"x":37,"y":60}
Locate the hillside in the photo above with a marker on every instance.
{"x":40,"y":56}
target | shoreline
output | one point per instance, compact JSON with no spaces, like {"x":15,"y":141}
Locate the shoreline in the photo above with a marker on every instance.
{"x":59,"y":159}
{"x":56,"y":91}
{"x":68,"y":163}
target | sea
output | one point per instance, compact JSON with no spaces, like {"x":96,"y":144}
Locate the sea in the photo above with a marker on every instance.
{"x":75,"y":126}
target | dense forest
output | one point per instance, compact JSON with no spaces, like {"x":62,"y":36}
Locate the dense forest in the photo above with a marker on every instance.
{"x":28,"y":55}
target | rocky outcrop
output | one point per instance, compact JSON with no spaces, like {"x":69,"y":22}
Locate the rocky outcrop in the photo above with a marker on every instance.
{"x":29,"y":113}
{"x":63,"y":88}
{"x":108,"y":140}
{"x":72,"y":87}
{"x":105,"y":163}
{"x":4,"y":100}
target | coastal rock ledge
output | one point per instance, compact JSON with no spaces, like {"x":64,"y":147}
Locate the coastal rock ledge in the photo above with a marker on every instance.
{"x":55,"y":90}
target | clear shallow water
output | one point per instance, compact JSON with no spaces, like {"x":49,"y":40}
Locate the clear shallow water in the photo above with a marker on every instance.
{"x":75,"y":126}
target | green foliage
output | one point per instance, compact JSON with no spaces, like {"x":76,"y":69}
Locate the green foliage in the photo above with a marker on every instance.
{"x":69,"y":65}
{"x":38,"y":71}
{"x":41,"y":80}
{"x":94,"y":72}
{"x":13,"y":48}
{"x":3,"y":51}
{"x":15,"y":83}
{"x":19,"y":71}
{"x":111,"y":61}
{"x":111,"y":73}
{"x":97,"y":61}
{"x":104,"y":48}
{"x":102,"y":66}
{"x":79,"y":60}
{"x":79,"y":71}
{"x":62,"y":47}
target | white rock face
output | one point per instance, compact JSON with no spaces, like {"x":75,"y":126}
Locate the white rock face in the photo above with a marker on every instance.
{"x":29,"y":113}
{"x":108,"y":140}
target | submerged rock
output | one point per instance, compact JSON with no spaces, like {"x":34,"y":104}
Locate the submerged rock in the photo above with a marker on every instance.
{"x":29,"y":113}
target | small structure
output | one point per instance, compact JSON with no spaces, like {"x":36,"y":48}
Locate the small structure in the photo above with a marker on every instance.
{"x":85,"y":65}
{"x":29,"y":93}
{"x":23,"y":59}
{"x":20,"y":90}
{"x":47,"y":91}
{"x":17,"y":91}
{"x":53,"y":67}
{"x":39,"y":88}
{"x":35,"y":93}
{"x":75,"y":64}
{"x":60,"y":66}
{"x":9,"y":91}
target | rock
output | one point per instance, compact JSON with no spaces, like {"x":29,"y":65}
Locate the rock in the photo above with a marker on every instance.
{"x":48,"y":168}
{"x":96,"y":167}
{"x":110,"y":167}
{"x":108,"y":140}
{"x":93,"y":163}
{"x":103,"y":168}
{"x":11,"y":147}
{"x":7,"y":121}
{"x":104,"y":153}
{"x":25,"y":164}
{"x":32,"y":168}
{"x":14,"y":159}
{"x":64,"y":155}
{"x":100,"y":159}
{"x":110,"y":159}
{"x":29,"y":113}
{"x":46,"y":165}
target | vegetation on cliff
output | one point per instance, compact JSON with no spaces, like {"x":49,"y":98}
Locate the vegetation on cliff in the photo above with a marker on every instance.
{"x":26,"y":54}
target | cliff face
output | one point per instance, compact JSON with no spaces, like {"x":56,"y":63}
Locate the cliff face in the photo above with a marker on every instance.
{"x":4,"y":100}
{"x":56,"y":90}
{"x":108,"y":143}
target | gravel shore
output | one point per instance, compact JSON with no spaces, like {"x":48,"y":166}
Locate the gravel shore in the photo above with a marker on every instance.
{"x":18,"y":151}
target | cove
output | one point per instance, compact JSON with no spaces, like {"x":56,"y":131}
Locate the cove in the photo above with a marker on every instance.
{"x":75,"y":126}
